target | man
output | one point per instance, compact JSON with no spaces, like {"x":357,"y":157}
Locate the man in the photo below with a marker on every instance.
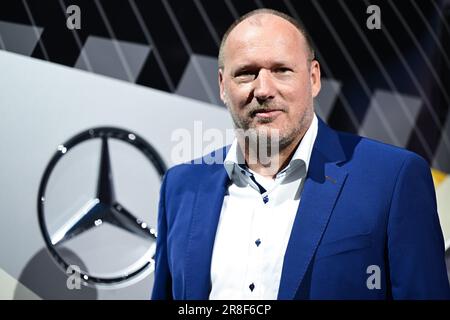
{"x":340,"y":217}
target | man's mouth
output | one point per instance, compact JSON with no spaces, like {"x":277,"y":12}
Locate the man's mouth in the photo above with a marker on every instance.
{"x":267,"y":113}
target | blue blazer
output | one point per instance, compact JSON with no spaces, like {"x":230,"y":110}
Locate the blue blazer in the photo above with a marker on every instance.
{"x":366,"y":228}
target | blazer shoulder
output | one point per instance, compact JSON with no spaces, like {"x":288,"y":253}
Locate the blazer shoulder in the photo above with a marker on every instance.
{"x":375,"y":152}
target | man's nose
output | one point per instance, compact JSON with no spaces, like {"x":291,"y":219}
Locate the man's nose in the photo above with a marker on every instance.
{"x":264,"y":87}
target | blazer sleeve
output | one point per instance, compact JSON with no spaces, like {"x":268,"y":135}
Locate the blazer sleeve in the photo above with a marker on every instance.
{"x":416,"y":253}
{"x":162,"y":287}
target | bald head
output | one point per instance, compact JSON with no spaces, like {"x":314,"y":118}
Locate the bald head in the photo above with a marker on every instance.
{"x":261,"y":18}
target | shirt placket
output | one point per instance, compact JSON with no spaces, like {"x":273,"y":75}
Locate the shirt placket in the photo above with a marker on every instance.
{"x":258,"y":249}
{"x":254,"y":285}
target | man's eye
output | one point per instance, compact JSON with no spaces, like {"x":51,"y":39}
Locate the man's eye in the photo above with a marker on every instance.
{"x":245,"y":75}
{"x":282,"y":70}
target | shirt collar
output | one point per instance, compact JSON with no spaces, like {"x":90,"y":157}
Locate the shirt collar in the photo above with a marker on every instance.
{"x":234,"y":161}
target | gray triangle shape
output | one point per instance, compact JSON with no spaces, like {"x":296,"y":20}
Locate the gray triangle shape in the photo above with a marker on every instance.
{"x":113,"y":58}
{"x":199,"y":80}
{"x":19,"y":38}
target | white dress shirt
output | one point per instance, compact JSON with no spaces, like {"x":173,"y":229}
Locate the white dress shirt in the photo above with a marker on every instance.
{"x":255,"y":225}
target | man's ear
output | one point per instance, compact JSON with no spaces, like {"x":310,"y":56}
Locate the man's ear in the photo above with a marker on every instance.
{"x":221,"y":85}
{"x":315,"y":78}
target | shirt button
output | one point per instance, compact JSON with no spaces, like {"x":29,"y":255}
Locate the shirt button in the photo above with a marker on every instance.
{"x":252,"y":286}
{"x":258,"y":242}
{"x":266,"y":199}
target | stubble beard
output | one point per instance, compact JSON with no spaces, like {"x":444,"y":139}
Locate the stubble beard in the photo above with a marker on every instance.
{"x":257,"y":138}
{"x":258,"y":131}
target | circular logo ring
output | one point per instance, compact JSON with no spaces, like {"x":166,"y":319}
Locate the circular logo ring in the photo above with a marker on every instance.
{"x":103,"y":133}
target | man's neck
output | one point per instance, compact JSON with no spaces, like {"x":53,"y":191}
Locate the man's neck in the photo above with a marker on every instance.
{"x":277,"y":161}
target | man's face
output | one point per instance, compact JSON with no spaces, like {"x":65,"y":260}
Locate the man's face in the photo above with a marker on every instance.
{"x":267,"y":81}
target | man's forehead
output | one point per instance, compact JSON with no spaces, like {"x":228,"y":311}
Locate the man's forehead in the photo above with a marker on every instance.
{"x":264,"y":29}
{"x":266,"y":22}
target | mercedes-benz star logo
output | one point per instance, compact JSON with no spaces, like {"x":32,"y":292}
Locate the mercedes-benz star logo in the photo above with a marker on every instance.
{"x":102,"y":209}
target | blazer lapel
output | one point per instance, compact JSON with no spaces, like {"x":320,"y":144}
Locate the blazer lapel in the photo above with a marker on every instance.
{"x":206,"y":212}
{"x":321,"y":190}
